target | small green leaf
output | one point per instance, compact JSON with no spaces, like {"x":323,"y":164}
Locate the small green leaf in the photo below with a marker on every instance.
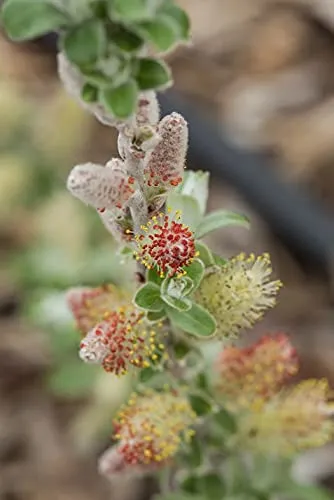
{"x":219,"y":219}
{"x":226,"y":421}
{"x":179,"y":17}
{"x":220,"y":261}
{"x":194,"y":455}
{"x":133,"y":10}
{"x":25,"y":19}
{"x":125,"y":39}
{"x":188,"y":207}
{"x":202,"y":382}
{"x":121,"y":101}
{"x":196,"y":184}
{"x":155,"y":316}
{"x":174,"y":291}
{"x":160,"y":32}
{"x":148,"y":297}
{"x":96,"y":77}
{"x":146,"y":374}
{"x":212,"y":486}
{"x":179,"y":304}
{"x":200,"y":405}
{"x":190,"y":484}
{"x":196,"y":321}
{"x":89,"y":93}
{"x":152,"y":74}
{"x":181,"y":349}
{"x":204,"y":253}
{"x":195,"y":271}
{"x":86,"y":43}
{"x":154,"y":276}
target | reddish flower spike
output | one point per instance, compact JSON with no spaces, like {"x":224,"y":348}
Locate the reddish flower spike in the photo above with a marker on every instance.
{"x":251,"y":375}
{"x":166,"y":244}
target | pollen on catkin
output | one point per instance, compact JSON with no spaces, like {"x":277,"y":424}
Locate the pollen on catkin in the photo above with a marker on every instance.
{"x":296,"y":419}
{"x":166,"y":244}
{"x":164,"y":166}
{"x":122,"y":341}
{"x":90,"y":305}
{"x":151,"y":427}
{"x":239,"y":293}
{"x":249,"y":376}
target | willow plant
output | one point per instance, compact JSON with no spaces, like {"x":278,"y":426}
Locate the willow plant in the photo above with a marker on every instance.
{"x":223,"y":429}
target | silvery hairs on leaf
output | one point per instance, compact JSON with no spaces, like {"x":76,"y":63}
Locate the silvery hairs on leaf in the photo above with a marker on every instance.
{"x":164,"y":166}
{"x":102,"y":187}
{"x":73,"y":83}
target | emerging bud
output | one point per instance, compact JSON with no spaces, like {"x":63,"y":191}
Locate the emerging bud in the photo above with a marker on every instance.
{"x":102,"y":187}
{"x":165,"y":164}
{"x":296,"y":419}
{"x":151,"y":428}
{"x":250,"y":376}
{"x":73,"y":82}
{"x":166,"y":244}
{"x":148,"y":109}
{"x":90,"y":305}
{"x":239,"y":293}
{"x":121,"y":341}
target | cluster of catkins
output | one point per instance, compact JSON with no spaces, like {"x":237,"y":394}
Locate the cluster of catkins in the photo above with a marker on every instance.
{"x":130,"y":193}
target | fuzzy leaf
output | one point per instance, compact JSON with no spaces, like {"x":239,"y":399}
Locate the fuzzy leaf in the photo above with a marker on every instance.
{"x":86,"y":43}
{"x":219,"y":219}
{"x":121,"y":101}
{"x":147,"y":374}
{"x":199,"y":404}
{"x":25,"y":19}
{"x":196,"y":321}
{"x":179,"y":17}
{"x":89,"y":93}
{"x":148,"y":297}
{"x":177,"y":287}
{"x":204,"y":254}
{"x":226,"y":421}
{"x":155,"y":316}
{"x":189,"y":208}
{"x":196,"y":184}
{"x":212,"y":486}
{"x":153,"y":276}
{"x":161,"y":32}
{"x":220,"y":261}
{"x":178,"y":304}
{"x":190,"y":484}
{"x":132,"y":10}
{"x":152,"y":74}
{"x":181,"y":349}
{"x":195,"y":271}
{"x":125,"y":39}
{"x":194,"y":455}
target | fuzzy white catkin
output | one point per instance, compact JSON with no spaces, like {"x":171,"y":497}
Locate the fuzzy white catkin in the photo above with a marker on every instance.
{"x":165,"y":164}
{"x":92,"y":348}
{"x":101,"y":187}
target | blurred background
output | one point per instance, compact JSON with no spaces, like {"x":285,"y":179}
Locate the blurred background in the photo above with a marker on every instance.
{"x":262,"y":70}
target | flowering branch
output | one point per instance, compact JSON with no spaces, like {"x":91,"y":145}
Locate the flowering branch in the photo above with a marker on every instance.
{"x":198,"y":422}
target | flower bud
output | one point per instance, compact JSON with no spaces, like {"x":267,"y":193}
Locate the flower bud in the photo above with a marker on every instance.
{"x":165,"y":164}
{"x":102,"y":187}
